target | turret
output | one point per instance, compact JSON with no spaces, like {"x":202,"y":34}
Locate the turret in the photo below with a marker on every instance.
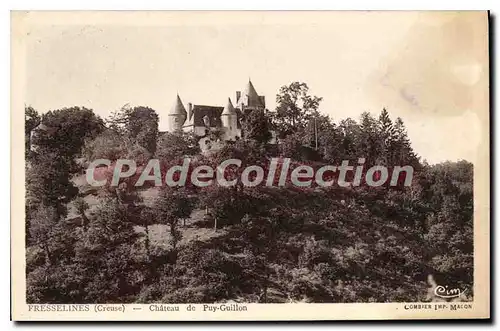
{"x":229,"y":120}
{"x":249,"y":98}
{"x":177,"y":116}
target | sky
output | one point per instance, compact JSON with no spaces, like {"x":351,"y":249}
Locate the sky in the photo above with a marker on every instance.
{"x":430,"y":69}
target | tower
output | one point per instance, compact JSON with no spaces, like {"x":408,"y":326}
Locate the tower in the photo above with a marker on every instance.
{"x":249,"y":100}
{"x":229,"y":120}
{"x":177,"y":116}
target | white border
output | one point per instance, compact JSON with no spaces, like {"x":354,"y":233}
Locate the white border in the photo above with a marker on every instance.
{"x":185,"y":5}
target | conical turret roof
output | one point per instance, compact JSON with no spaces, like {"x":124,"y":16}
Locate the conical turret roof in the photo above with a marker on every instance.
{"x":229,"y":109}
{"x":250,"y":96}
{"x":250,"y":91}
{"x":178,"y":108}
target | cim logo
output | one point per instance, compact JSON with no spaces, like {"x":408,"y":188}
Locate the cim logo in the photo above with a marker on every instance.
{"x":447,"y":293}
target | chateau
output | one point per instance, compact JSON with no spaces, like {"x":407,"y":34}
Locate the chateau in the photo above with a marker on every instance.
{"x":214,"y":124}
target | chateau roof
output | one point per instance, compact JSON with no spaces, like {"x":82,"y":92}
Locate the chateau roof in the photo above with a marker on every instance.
{"x":178,"y":108}
{"x":229,"y":109}
{"x":249,"y":96}
{"x":250,"y":90}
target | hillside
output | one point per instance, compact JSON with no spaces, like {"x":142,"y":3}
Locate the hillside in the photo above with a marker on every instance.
{"x":348,"y":241}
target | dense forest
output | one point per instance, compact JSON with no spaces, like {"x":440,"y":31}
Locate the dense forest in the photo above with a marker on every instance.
{"x":240,"y":244}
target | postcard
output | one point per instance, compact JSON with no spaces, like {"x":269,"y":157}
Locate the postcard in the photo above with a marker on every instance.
{"x":250,"y":166}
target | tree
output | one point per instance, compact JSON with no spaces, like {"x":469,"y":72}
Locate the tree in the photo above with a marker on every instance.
{"x":447,"y":190}
{"x":227,"y":205}
{"x":264,"y":234}
{"x":49,"y":182}
{"x":386,"y":129}
{"x":172,"y":146}
{"x":104,"y":255}
{"x":294,"y":108}
{"x":348,"y":138}
{"x":385,"y":124}
{"x":49,"y":232}
{"x":371,"y":142}
{"x":402,"y":152}
{"x":171,"y":206}
{"x":292,"y":146}
{"x":257,"y":127}
{"x":42,"y":225}
{"x":142,"y":126}
{"x":139,"y":124}
{"x":69,"y":128}
{"x":118,"y":119}
{"x":317,"y":127}
{"x":110,"y":144}
{"x":31,"y":120}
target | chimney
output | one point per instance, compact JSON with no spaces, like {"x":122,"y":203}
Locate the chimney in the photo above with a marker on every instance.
{"x":190,"y":110}
{"x":238,"y":95}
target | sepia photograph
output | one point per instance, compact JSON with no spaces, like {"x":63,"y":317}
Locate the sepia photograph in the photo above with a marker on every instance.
{"x":204,"y":165}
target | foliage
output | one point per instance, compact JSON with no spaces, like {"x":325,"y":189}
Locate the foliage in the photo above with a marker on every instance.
{"x":110,"y":145}
{"x":172,"y":146}
{"x":68,"y":128}
{"x":271,"y":244}
{"x":31,"y":120}
{"x":294,"y":108}
{"x":257,"y":127}
{"x":139,"y":124}
{"x":171,"y":206}
{"x":48,"y":183}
